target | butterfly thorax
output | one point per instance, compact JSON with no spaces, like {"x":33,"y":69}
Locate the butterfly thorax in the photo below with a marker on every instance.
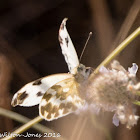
{"x":82,"y":73}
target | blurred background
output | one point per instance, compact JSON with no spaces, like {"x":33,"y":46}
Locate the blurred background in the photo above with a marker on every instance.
{"x":29,"y":49}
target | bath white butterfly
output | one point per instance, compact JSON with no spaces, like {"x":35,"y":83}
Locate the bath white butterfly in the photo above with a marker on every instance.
{"x":58,"y":94}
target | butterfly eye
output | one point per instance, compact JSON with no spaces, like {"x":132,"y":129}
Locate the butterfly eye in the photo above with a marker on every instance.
{"x":80,"y":69}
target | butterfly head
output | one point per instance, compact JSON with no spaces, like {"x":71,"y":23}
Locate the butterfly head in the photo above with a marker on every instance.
{"x":82,"y":72}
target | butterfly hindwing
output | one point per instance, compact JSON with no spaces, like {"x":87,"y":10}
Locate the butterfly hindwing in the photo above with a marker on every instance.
{"x":32,"y":93}
{"x":60,"y":100}
{"x":67,"y":47}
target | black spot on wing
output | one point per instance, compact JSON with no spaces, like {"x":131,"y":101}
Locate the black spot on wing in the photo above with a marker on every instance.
{"x":67,"y":41}
{"x":39,"y":94}
{"x":56,"y":114}
{"x":37,"y":82}
{"x":54,"y":109}
{"x":42,"y":110}
{"x":14,"y":102}
{"x":47,"y":97}
{"x":22,"y":97}
{"x":48,"y":109}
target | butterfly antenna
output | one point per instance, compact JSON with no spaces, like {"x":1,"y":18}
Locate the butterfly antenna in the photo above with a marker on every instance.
{"x":85,"y":45}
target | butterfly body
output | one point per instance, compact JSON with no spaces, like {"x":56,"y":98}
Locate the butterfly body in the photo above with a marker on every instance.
{"x":57,"y":95}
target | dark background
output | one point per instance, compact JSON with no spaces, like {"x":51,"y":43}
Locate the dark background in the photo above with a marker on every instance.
{"x":29,"y":49}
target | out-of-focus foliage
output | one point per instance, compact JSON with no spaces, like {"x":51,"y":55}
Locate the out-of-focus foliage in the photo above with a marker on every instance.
{"x":30,"y":49}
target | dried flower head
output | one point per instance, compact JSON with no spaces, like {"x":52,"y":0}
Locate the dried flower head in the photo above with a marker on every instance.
{"x":114,"y":90}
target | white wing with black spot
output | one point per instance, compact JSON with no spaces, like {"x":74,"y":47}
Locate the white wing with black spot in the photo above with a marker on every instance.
{"x":67,"y":47}
{"x":32,"y":93}
{"x":60,"y":100}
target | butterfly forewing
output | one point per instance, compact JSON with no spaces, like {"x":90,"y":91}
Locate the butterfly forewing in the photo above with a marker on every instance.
{"x":31,"y":94}
{"x":67,"y":47}
{"x":60,"y":100}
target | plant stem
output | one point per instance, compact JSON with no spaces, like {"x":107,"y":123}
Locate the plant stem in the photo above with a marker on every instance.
{"x":27,"y":126}
{"x":22,"y":119}
{"x":121,"y":47}
{"x":136,"y":103}
{"x":24,"y":127}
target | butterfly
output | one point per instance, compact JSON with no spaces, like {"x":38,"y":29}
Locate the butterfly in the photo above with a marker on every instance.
{"x":57,"y":94}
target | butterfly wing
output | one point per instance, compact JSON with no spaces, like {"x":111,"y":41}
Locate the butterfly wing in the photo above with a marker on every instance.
{"x":31,"y":94}
{"x":67,"y":47}
{"x":60,"y":100}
